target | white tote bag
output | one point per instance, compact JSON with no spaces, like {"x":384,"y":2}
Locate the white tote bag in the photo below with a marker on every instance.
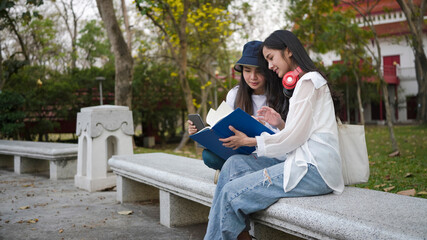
{"x":354,"y":154}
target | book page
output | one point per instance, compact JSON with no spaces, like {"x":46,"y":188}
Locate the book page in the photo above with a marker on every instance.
{"x":215,"y":115}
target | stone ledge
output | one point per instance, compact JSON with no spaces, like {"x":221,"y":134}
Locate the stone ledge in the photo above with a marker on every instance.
{"x":60,"y":159}
{"x":185,"y":177}
{"x":356,"y":214}
{"x":39,"y":150}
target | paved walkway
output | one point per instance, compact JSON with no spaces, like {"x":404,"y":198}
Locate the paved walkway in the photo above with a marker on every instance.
{"x":34,"y":207}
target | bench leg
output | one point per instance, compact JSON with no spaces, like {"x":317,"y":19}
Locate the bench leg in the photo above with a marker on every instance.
{"x":62,"y":169}
{"x":6,"y":161}
{"x":177,"y":211}
{"x":29,"y":165}
{"x":129,"y":190}
{"x":261,"y":231}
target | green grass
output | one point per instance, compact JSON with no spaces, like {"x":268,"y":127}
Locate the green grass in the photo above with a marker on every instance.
{"x":405,"y":172}
{"x":392,"y":174}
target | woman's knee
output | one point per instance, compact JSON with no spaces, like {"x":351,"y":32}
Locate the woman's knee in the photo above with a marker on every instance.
{"x":212,"y":160}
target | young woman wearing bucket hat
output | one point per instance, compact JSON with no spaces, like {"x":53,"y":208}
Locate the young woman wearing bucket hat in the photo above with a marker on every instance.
{"x":301,"y":160}
{"x":258,"y":87}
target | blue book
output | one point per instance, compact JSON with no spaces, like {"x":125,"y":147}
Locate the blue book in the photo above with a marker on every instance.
{"x":240,"y":120}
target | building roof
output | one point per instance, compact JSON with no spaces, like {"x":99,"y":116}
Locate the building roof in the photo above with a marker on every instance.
{"x":382,"y":6}
{"x":393,"y":29}
{"x":388,"y":28}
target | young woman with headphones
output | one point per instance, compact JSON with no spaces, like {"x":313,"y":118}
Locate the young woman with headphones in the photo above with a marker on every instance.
{"x":301,"y":160}
{"x":258,"y":87}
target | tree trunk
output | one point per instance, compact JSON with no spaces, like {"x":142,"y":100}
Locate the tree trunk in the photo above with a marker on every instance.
{"x":127,"y":26}
{"x":388,"y":116}
{"x":383,"y":84}
{"x":415,"y":18}
{"x":182,"y":74}
{"x":359,"y":98}
{"x":384,"y":88}
{"x":422,"y":90}
{"x":74,"y":39}
{"x":20,"y":40}
{"x":1,"y":69}
{"x":123,"y":57}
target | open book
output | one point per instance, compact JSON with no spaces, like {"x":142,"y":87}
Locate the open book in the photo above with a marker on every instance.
{"x":220,"y":120}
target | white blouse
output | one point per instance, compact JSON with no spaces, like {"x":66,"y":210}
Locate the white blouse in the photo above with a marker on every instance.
{"x":310,"y":135}
{"x":257,"y":100}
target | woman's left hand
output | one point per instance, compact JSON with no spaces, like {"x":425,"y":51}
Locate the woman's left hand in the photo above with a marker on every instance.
{"x":239,"y":139}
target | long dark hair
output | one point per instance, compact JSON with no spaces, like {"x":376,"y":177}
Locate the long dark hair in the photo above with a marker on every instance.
{"x":273,"y":91}
{"x":282,"y":39}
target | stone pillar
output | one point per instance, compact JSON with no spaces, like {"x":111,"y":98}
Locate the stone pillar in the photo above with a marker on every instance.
{"x":103,"y":131}
{"x":176,"y":211}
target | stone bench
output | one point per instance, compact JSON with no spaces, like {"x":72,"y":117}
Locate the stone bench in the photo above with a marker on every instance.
{"x":26,"y":157}
{"x":185,"y":189}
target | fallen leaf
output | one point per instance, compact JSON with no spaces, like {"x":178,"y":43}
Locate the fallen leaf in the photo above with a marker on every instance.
{"x":40,"y":205}
{"x":125,"y":212}
{"x":387,"y":177}
{"x":380,"y":185}
{"x":24,"y":207}
{"x":394,"y":154}
{"x":33,"y":220}
{"x":408,"y":175}
{"x":389,"y":188}
{"x":422,"y":193}
{"x":61,"y":230}
{"x":410,"y":192}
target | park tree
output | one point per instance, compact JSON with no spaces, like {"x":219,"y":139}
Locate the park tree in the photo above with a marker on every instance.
{"x":364,"y":9}
{"x":127,"y":25}
{"x":93,"y":45}
{"x":122,"y":54}
{"x":207,"y":50}
{"x":414,"y":14}
{"x":322,"y":30}
{"x":10,"y":20}
{"x":40,"y":39}
{"x":71,"y":16}
{"x":188,"y":29}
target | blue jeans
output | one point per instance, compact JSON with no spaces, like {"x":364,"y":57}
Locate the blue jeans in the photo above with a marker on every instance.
{"x":212,"y":160}
{"x":248,"y":184}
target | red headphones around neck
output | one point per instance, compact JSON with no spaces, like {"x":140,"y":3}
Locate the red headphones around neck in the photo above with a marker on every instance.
{"x":291,"y":78}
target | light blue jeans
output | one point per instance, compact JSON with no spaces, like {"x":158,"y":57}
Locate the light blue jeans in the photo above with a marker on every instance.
{"x":248,"y":184}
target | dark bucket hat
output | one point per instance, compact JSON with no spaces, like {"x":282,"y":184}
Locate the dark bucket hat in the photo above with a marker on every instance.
{"x":249,"y":55}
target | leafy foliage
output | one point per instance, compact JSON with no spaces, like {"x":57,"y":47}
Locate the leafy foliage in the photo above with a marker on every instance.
{"x":157,"y":101}
{"x":11,"y":114}
{"x":206,"y":27}
{"x":322,"y":29}
{"x":50,"y":96}
{"x":93,"y":43}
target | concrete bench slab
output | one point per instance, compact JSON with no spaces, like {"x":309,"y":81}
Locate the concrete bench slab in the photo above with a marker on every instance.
{"x":185,"y":185}
{"x":26,"y":157}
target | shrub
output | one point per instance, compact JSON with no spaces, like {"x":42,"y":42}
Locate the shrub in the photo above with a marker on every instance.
{"x":11,"y":114}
